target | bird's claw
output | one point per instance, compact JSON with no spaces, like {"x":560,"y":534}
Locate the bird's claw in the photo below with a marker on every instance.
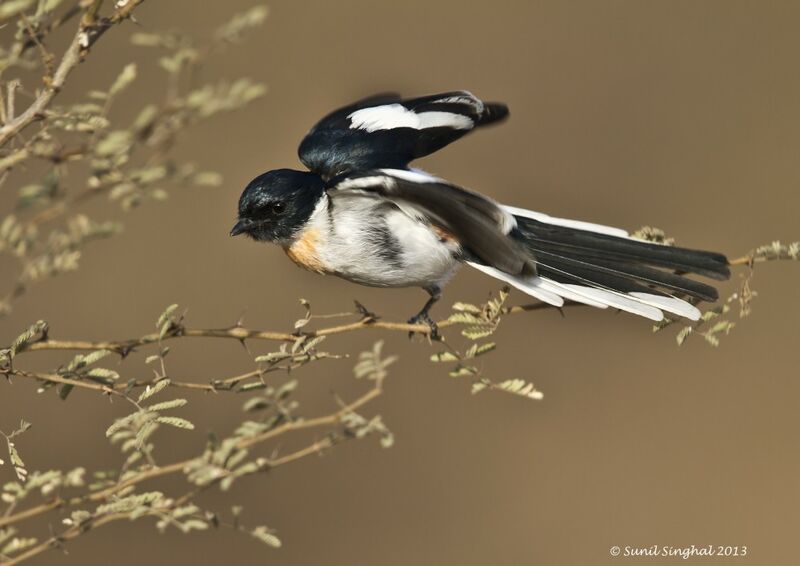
{"x":425,"y":318}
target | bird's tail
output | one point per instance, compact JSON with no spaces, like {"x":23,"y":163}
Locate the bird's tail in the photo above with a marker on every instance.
{"x":604,"y":267}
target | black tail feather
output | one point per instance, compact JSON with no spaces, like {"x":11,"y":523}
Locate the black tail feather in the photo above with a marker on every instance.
{"x":566,"y":254}
{"x":648,"y":279}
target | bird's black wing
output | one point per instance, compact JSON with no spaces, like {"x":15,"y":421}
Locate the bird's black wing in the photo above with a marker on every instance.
{"x":479,"y":224}
{"x":387,"y":131}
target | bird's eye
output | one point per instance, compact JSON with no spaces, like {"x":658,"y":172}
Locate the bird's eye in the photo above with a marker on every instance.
{"x":278,"y":207}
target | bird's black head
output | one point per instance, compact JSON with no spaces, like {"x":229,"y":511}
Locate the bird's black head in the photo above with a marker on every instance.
{"x":276,"y":205}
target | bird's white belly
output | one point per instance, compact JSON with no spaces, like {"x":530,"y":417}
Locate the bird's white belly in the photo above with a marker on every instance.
{"x":382,"y":246}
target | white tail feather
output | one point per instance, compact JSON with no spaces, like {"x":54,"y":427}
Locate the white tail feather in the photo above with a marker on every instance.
{"x":670,"y":304}
{"x":554,"y":293}
{"x":577,"y":224}
{"x":531,"y":286}
{"x":572,"y":295}
{"x":619,"y":301}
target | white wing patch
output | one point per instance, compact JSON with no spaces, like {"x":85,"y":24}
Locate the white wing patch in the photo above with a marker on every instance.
{"x":390,"y":116}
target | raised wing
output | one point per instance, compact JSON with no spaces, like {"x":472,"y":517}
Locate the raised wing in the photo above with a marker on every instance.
{"x":479,"y":224}
{"x":385,"y":131}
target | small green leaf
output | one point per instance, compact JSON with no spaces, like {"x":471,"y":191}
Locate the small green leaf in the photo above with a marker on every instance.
{"x":166,"y":315}
{"x":151,"y":390}
{"x":520,"y":387}
{"x":207,"y":179}
{"x":478,"y":332}
{"x":103,"y":374}
{"x":256,"y":404}
{"x":466,"y":307}
{"x":177,"y":422}
{"x":164,"y":405}
{"x":485,"y":348}
{"x":444,"y":357}
{"x":125,"y":78}
{"x":464,"y":318}
{"x":681,"y":337}
{"x":266,"y":536}
{"x":478,"y":386}
{"x":13,"y":7}
{"x":252,"y":386}
{"x":286,"y":389}
{"x":461,"y":371}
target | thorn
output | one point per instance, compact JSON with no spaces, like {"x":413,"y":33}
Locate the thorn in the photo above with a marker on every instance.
{"x":212,"y":518}
{"x":240,"y":321}
{"x":366,"y":314}
{"x":243,"y":342}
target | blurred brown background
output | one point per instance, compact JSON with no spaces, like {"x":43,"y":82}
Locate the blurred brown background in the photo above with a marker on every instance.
{"x":682,"y":115}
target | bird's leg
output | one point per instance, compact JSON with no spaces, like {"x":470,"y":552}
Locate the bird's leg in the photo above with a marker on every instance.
{"x":422,"y":317}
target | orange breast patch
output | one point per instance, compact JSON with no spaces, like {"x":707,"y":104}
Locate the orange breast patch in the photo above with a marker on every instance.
{"x":304,"y":251}
{"x":443,"y":235}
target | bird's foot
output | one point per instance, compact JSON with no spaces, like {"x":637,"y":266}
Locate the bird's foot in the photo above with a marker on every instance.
{"x":366,"y":314}
{"x":424,"y":318}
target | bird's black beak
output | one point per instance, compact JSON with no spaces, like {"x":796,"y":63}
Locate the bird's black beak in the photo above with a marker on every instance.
{"x":239,"y":227}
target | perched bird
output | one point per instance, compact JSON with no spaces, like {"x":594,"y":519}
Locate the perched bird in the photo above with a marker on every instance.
{"x":362,"y":214}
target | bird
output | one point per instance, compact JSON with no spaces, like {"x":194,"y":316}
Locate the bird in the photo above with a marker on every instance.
{"x":362,"y":213}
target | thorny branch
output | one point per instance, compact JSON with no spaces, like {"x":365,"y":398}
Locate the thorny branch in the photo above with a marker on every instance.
{"x":127,"y":163}
{"x":108,"y":494}
{"x":89,"y":31}
{"x":124,"y":347}
{"x":179,"y":467}
{"x":222,"y":462}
